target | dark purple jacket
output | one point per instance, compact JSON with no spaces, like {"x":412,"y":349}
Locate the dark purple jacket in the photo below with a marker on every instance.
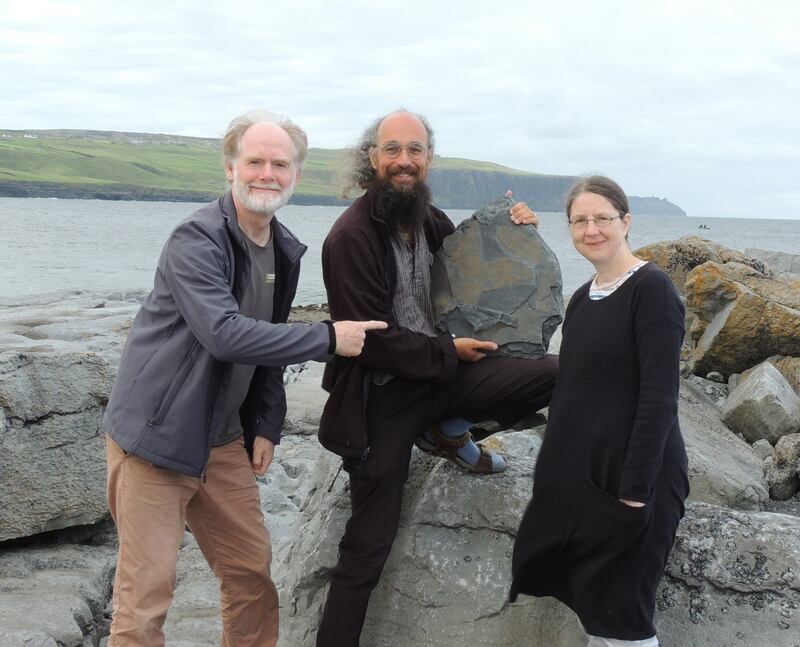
{"x":165,"y":405}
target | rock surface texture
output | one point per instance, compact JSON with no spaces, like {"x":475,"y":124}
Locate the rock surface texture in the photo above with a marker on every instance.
{"x":497,"y":281}
{"x":763,"y":405}
{"x":723,"y":468}
{"x":776,"y":262}
{"x":742,"y":317}
{"x":58,"y":360}
{"x":446,"y":581}
{"x":55,"y":596}
{"x":732,"y":578}
{"x":678,"y":257}
{"x":789,"y":367}
{"x":783,"y":468}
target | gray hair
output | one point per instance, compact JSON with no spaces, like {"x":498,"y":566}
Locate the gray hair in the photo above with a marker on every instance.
{"x":239,"y":125}
{"x":358,"y":172}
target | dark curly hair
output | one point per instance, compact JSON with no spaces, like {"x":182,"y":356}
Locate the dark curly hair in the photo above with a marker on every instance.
{"x":358,"y":173}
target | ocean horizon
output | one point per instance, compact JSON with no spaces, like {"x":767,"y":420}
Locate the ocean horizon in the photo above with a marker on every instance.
{"x":53,"y":245}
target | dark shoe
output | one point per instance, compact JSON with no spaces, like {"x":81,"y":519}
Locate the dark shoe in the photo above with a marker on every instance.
{"x":449,"y":446}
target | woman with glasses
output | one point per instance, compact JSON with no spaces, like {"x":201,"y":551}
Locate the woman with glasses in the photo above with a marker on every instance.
{"x":611,"y":477}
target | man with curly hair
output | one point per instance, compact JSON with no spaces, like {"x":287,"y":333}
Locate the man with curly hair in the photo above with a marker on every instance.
{"x":411,"y":384}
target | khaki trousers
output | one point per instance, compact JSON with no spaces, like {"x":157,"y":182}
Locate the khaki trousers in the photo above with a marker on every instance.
{"x":151,"y":507}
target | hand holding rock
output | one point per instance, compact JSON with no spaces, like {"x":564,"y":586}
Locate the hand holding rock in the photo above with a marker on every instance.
{"x":469,"y":349}
{"x":350,"y":335}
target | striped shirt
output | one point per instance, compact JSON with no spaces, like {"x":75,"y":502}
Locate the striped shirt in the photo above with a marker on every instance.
{"x":411,"y":305}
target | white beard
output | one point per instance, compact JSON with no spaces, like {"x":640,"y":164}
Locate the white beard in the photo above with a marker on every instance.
{"x":261,"y":203}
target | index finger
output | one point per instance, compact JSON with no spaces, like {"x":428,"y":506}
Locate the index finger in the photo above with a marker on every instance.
{"x":486,"y":345}
{"x":374,"y":325}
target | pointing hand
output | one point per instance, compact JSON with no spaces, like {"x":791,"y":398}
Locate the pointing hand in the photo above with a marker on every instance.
{"x":350,"y":335}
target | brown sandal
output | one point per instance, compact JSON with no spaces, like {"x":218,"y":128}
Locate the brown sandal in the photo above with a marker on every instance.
{"x":448,"y":446}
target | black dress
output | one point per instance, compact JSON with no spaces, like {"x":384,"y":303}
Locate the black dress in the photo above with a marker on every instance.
{"x":612,"y":433}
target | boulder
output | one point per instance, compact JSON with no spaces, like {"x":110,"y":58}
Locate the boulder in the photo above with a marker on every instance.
{"x":55,"y":595}
{"x":715,"y":391}
{"x":742,"y":317}
{"x":497,"y":281}
{"x":446,"y":581}
{"x":789,"y":367}
{"x":58,"y":360}
{"x":763,"y":405}
{"x":763,"y":449}
{"x":783,"y":468}
{"x":305,"y":398}
{"x":733,"y":578}
{"x":447,"y":578}
{"x":777,"y":262}
{"x":678,"y":257}
{"x":723,"y":468}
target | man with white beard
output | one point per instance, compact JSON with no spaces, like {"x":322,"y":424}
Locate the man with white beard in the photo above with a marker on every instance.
{"x":198,"y":404}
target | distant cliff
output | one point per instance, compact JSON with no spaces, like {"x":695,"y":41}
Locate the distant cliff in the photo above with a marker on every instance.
{"x":142,"y":166}
{"x":468,"y":189}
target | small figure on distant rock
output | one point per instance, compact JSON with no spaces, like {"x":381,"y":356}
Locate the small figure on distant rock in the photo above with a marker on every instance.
{"x":611,"y":477}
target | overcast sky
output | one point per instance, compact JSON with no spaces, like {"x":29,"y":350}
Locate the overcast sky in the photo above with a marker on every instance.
{"x":695,"y":101}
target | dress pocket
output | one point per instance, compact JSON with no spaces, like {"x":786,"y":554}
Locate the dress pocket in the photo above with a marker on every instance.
{"x":604,"y":499}
{"x":607,"y":522}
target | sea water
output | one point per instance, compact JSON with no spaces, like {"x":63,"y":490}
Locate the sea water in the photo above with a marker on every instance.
{"x":50,"y":245}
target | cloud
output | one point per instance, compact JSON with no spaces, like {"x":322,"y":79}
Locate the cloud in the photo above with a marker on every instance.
{"x":681,"y":99}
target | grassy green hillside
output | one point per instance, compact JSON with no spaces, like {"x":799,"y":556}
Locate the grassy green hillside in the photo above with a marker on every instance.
{"x":191,"y":166}
{"x":143,"y":166}
{"x":171,"y":163}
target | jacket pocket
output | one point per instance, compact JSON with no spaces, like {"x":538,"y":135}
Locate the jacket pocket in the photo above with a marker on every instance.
{"x":174,"y":386}
{"x":343,"y":425}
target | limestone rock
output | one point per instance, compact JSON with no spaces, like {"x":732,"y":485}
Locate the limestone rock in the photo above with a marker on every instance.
{"x":742,"y":317}
{"x":305,"y":398}
{"x":763,"y":449}
{"x":789,"y":367}
{"x":58,"y":360}
{"x":497,"y":281}
{"x":778,"y":262}
{"x":733,"y":578}
{"x":763,"y":405}
{"x":446,"y":581}
{"x":716,"y":392}
{"x":783,"y":468}
{"x":723,"y":469}
{"x":54,"y":595}
{"x":677,"y":258}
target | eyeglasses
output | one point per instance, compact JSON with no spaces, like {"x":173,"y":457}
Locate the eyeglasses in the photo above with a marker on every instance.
{"x":392,"y":150}
{"x":599,"y":221}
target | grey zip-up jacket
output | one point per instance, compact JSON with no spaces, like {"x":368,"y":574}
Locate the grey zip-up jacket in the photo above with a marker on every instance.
{"x":165,"y":405}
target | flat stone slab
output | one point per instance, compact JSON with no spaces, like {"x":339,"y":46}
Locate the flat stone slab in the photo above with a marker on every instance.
{"x":54,"y":595}
{"x":496,"y":281}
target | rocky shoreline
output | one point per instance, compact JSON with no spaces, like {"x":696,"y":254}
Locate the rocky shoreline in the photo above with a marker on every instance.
{"x":733,"y":577}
